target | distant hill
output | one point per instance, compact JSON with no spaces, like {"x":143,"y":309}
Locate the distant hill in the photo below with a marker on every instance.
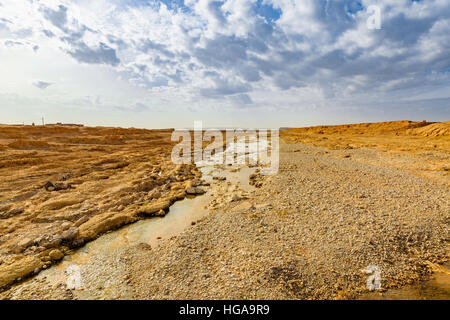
{"x":439,"y":129}
{"x":405,"y":127}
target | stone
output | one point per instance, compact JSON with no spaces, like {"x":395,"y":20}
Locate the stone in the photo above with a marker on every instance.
{"x":244,"y":206}
{"x":20,"y":268}
{"x":23,"y":244}
{"x":49,"y":241}
{"x":61,"y":186}
{"x":13,"y":212}
{"x":176,"y":195}
{"x":39,"y":249}
{"x":77,"y":243}
{"x":70,"y":234}
{"x":160,"y":213}
{"x":56,"y":254}
{"x":152,"y":208}
{"x":102,"y":223}
{"x":66,"y":225}
{"x":49,"y":186}
{"x":195,"y":191}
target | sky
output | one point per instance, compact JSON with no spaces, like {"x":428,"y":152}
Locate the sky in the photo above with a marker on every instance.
{"x":232,"y":63}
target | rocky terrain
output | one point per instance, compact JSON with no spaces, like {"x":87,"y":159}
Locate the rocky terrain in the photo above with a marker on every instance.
{"x":62,"y":186}
{"x":309,"y":232}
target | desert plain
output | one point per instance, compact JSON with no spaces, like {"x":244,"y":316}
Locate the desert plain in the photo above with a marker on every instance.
{"x":345,"y":197}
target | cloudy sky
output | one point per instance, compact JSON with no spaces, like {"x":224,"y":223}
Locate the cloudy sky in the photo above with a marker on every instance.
{"x":249,"y":63}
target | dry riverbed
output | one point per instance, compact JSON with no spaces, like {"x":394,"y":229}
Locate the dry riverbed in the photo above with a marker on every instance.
{"x":306,"y":233}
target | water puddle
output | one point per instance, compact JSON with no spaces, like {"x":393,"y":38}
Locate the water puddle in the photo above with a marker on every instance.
{"x":240,"y":177}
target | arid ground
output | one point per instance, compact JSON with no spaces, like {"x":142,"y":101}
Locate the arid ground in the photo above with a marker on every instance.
{"x":62,"y":186}
{"x":345,"y":197}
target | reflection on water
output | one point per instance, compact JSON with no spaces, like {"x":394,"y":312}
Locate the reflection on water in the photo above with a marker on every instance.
{"x":180,"y":217}
{"x":240,"y":178}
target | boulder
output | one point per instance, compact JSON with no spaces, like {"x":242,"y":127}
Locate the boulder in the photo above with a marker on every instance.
{"x":103,"y":223}
{"x":55,"y":254}
{"x":49,"y":241}
{"x":49,"y":186}
{"x":176,"y":195}
{"x":18,"y":269}
{"x":22,"y":245}
{"x":195,"y":191}
{"x":62,"y":186}
{"x":153,"y":208}
{"x":76,"y":243}
{"x":70,"y":234}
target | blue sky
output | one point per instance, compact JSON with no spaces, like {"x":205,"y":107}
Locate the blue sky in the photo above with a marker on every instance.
{"x":249,"y":63}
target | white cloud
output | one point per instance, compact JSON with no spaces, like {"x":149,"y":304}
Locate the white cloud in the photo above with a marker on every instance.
{"x":224,"y":52}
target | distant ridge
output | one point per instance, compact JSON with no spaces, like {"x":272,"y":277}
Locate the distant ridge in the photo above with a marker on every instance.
{"x":404,"y":127}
